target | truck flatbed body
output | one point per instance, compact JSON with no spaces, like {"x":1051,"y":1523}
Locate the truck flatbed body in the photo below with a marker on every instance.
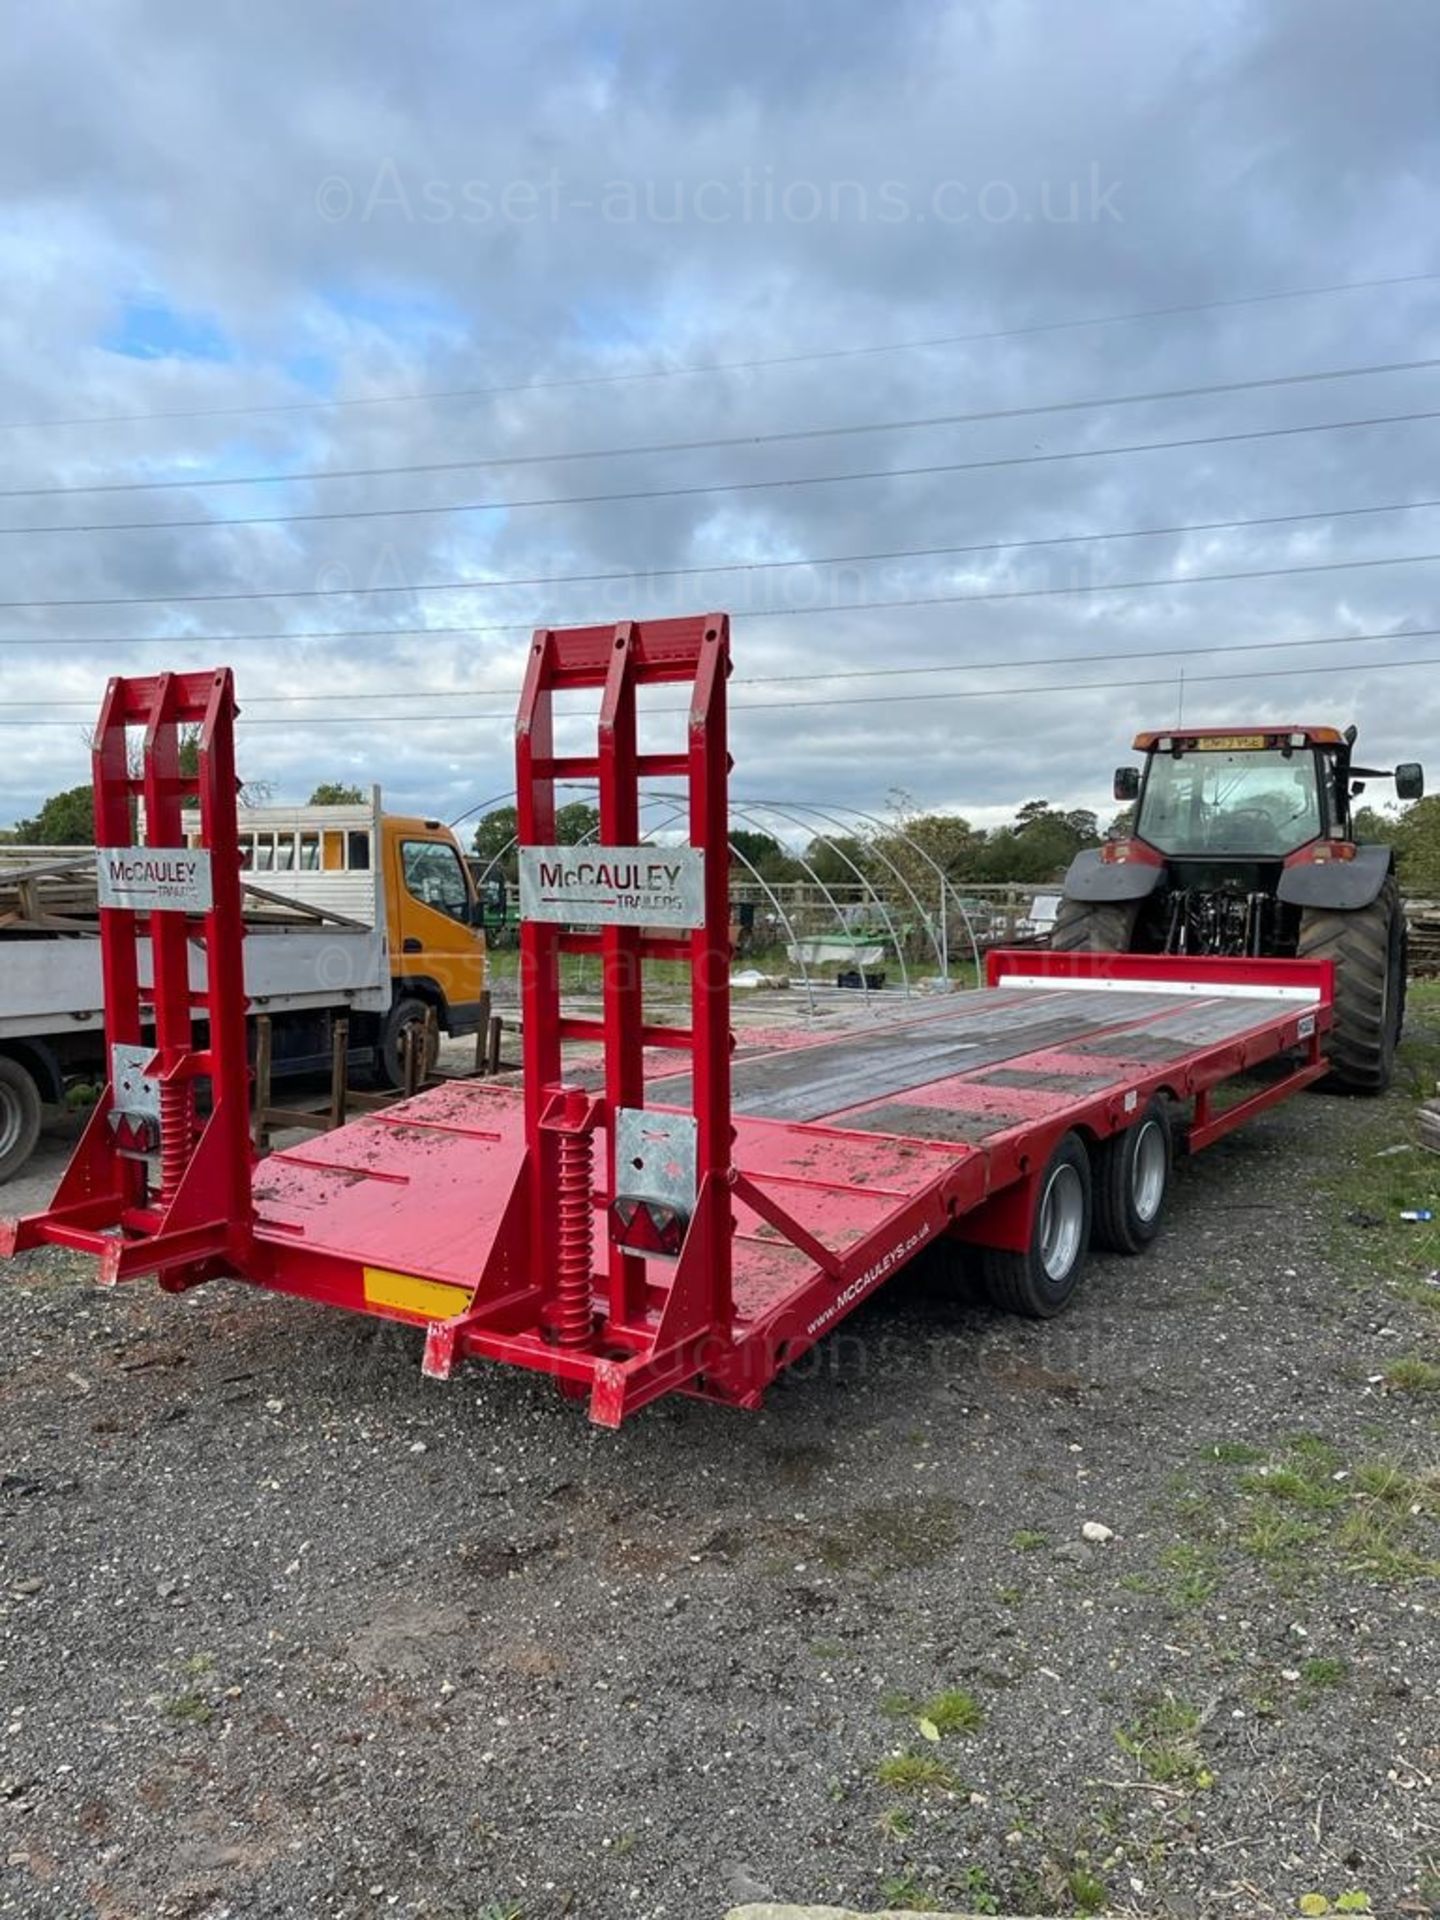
{"x":663,"y":1227}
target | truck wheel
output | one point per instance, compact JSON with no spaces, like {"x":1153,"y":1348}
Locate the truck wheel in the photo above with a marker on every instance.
{"x":1367,"y":945}
{"x":405,"y":1013}
{"x":1132,"y":1178}
{"x":1088,"y":926}
{"x":20,"y":1106}
{"x":1040,"y":1281}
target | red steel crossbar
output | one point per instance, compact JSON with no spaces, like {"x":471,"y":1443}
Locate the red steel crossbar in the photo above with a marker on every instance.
{"x":195,"y":1217}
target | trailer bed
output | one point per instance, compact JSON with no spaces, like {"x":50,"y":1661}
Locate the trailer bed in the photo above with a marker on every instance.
{"x":855,"y":1135}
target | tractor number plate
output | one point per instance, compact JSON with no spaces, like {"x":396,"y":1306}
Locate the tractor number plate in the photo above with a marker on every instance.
{"x":1232,"y":743}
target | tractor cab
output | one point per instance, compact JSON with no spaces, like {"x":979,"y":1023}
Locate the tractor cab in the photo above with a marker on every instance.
{"x":1250,"y":796}
{"x":1244,"y":844}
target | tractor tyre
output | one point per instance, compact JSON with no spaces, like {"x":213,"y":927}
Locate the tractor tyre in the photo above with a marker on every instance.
{"x":1367,"y":945}
{"x":1085,"y":926}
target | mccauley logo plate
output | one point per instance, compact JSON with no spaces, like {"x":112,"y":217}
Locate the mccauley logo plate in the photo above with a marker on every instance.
{"x":154,"y":879}
{"x":613,"y":886}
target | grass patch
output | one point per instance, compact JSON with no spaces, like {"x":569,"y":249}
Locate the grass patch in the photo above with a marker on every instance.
{"x":1029,"y":1540}
{"x":953,"y":1711}
{"x":1163,"y":1744}
{"x":1192,"y":1576}
{"x":1395,"y":1486}
{"x":912,"y":1772}
{"x":1324,"y":1672}
{"x":971,"y":1887}
{"x":905,"y":1894}
{"x":1295,"y":1487}
{"x":1306,"y":1511}
{"x":1233,"y":1453}
{"x":1412,"y":1374}
{"x":1277,"y":1537}
{"x":192,"y":1709}
{"x":1087,"y":1890}
{"x":1375,"y":1185}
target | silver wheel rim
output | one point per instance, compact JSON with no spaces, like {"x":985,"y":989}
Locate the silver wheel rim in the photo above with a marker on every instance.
{"x":1148,"y":1169}
{"x":1062,"y":1221}
{"x":11,"y":1120}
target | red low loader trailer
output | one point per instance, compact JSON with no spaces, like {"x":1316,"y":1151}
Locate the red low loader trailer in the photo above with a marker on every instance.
{"x":679,"y":1216}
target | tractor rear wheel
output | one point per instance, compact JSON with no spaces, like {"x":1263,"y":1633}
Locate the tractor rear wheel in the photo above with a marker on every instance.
{"x":1088,"y":926}
{"x":1368,"y":948}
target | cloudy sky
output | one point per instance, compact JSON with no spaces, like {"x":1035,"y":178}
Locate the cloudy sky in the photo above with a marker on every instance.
{"x":253,"y":252}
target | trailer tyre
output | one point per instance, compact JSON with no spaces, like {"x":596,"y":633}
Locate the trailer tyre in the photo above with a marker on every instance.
{"x":20,"y":1113}
{"x":406,"y":1013}
{"x":1367,"y":945}
{"x":1089,"y":926}
{"x":1040,"y":1281}
{"x":1132,"y":1179}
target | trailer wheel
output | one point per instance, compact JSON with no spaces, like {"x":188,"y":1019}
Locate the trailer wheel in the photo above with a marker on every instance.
{"x":20,"y":1106}
{"x":1040,"y":1281}
{"x":1088,"y":926}
{"x":1132,"y":1178}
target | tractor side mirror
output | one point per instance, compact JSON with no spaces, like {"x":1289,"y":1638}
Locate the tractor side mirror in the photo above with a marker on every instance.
{"x":1409,"y":780}
{"x":1127,"y":783}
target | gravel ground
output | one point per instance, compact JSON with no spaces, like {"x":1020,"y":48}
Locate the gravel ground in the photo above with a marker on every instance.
{"x":286,"y":1630}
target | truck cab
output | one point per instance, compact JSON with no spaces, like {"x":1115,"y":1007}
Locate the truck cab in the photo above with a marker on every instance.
{"x":402,"y":872}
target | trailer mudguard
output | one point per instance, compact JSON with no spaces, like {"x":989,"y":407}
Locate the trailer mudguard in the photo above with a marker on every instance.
{"x":1341,"y":885}
{"x":1094,"y":880}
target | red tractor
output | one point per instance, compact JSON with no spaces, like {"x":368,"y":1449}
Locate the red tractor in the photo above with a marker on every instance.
{"x":1242,"y":843}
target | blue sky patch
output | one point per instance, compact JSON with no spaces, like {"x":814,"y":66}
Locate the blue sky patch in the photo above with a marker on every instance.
{"x":151,"y":329}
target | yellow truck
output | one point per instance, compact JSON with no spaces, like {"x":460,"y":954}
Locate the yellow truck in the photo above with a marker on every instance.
{"x":402,"y":875}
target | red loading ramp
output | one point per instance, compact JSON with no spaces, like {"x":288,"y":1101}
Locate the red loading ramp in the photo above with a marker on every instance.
{"x":422,"y":1188}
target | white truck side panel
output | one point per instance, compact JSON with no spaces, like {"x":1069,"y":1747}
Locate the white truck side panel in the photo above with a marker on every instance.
{"x":54,"y":986}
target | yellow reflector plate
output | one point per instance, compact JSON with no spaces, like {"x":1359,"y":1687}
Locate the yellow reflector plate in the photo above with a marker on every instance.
{"x":408,"y":1293}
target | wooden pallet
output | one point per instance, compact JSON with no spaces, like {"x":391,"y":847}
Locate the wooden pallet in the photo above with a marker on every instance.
{"x":53,"y":890}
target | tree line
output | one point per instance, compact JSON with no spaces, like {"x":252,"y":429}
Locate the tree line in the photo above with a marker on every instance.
{"x":68,"y":819}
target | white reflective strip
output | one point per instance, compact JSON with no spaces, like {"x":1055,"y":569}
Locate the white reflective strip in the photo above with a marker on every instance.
{"x":1192,"y":989}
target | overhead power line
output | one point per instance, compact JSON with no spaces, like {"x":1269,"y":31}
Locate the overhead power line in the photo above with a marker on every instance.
{"x":716,"y":443}
{"x":725,"y":366}
{"x":839,"y":673}
{"x":816,"y":612}
{"x":720,"y":486}
{"x":658,"y":573}
{"x":449,"y":718}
